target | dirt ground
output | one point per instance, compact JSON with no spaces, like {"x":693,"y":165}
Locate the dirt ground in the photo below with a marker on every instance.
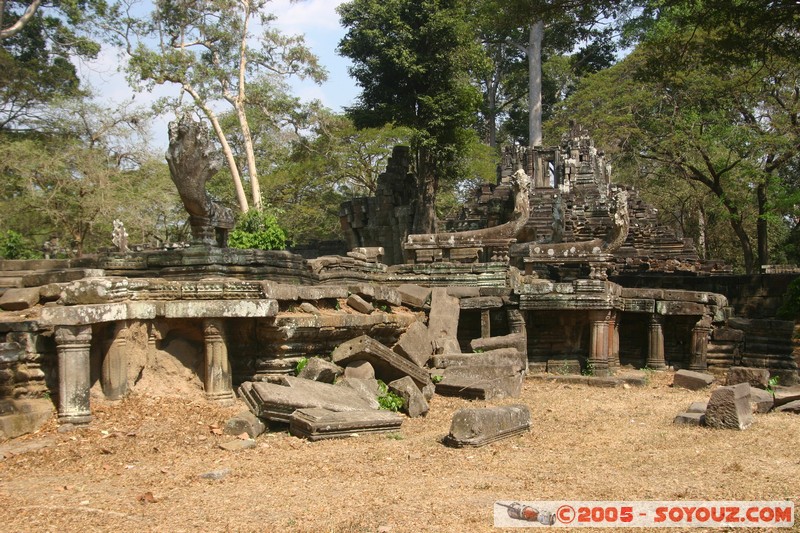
{"x":138,"y":466}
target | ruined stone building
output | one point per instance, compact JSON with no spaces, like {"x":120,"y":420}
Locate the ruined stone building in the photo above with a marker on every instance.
{"x":554,"y":261}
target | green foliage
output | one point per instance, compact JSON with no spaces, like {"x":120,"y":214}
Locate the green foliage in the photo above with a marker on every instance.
{"x":301,"y":364}
{"x":437,"y":379}
{"x":772,"y":383}
{"x":14,"y":246}
{"x":790,"y":308}
{"x":387,"y":399}
{"x":257,"y":230}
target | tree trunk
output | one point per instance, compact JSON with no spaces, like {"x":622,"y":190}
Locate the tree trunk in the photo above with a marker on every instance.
{"x":226,"y":148}
{"x":761,"y":225}
{"x":534,"y":51}
{"x":425,"y":211}
{"x":702,"y":241}
{"x":255,"y":186}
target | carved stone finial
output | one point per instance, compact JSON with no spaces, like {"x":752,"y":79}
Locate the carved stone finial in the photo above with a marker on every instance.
{"x":119,"y":236}
{"x":193,"y":160}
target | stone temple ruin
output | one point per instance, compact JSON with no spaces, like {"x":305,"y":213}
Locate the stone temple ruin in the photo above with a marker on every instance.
{"x":553,"y":269}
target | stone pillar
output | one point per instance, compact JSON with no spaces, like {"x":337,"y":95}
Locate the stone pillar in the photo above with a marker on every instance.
{"x":486,"y":323}
{"x":655,"y":345}
{"x":613,"y":356}
{"x":72,"y":345}
{"x":599,"y":342}
{"x":114,"y":374}
{"x":700,"y":334}
{"x":217,"y":380}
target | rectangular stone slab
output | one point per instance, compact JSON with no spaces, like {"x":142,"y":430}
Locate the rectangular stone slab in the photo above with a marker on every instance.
{"x":481,"y":382}
{"x":478,"y":427}
{"x":318,"y":424}
{"x":388,"y":365}
{"x":277,"y":402}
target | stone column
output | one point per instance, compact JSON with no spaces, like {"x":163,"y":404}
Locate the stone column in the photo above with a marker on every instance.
{"x":72,"y":346}
{"x":486,"y":324}
{"x":700,"y":333}
{"x":599,"y":342}
{"x":217,"y":381}
{"x":114,"y":374}
{"x":613,"y":356}
{"x":655,"y":345}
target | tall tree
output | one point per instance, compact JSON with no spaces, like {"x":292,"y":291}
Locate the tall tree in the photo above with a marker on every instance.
{"x":524,"y":24}
{"x":207,"y":49}
{"x":412,"y":61}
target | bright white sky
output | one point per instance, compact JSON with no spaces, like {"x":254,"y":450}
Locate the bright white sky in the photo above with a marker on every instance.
{"x":316,"y":19}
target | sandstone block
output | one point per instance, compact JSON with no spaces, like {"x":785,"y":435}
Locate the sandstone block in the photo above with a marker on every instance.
{"x":366,"y":388}
{"x":481,"y":382}
{"x":755,"y":377}
{"x":319,"y":424}
{"x":478,"y":427}
{"x":415,"y":345}
{"x":414,"y":295}
{"x":318,"y":369}
{"x":690,"y":419}
{"x":687,"y":379}
{"x":360,"y":304}
{"x":387,"y":364}
{"x":791,"y":407}
{"x":19,"y":299}
{"x":760,"y":400}
{"x":245,"y":422}
{"x":414,"y":403}
{"x":729,"y":407}
{"x":359,"y":370}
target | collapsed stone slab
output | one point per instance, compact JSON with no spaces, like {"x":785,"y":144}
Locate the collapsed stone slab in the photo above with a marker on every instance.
{"x":414,"y":295}
{"x":414,"y":403}
{"x":277,"y":402}
{"x":729,"y":407}
{"x":690,"y":419}
{"x":318,"y":369}
{"x":478,"y":427}
{"x":687,"y":379}
{"x":481,"y":382}
{"x":512,"y":340}
{"x":18,"y":299}
{"x":317,"y":424}
{"x":499,"y":357}
{"x":245,"y":422}
{"x":443,"y":321}
{"x":756,"y":377}
{"x":388,"y":365}
{"x":415,"y":344}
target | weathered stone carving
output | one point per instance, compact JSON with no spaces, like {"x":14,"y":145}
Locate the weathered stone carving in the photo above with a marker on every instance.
{"x":192,"y":161}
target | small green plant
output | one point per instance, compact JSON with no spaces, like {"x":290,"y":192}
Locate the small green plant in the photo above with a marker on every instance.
{"x":771,"y":384}
{"x":387,"y":399}
{"x":648,"y":374}
{"x":385,"y":308}
{"x":395,"y":436}
{"x":588,"y":370}
{"x":301,"y":364}
{"x":437,"y":379}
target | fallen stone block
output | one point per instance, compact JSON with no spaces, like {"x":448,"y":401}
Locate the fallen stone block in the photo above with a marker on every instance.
{"x":245,"y":422}
{"x":478,"y":427}
{"x":504,"y":356}
{"x":19,"y":299}
{"x":443,"y":321}
{"x":318,"y":369}
{"x":481,"y":382}
{"x":317,"y":424}
{"x":755,"y":377}
{"x":690,"y":419}
{"x":359,"y":304}
{"x":414,"y":403}
{"x":388,"y":365}
{"x":238,"y":445}
{"x":19,"y":417}
{"x":729,"y":407}
{"x":784,"y":395}
{"x":309,"y":308}
{"x":374,"y":292}
{"x":414,"y":295}
{"x":277,"y":402}
{"x":513,"y":340}
{"x":415,"y":344}
{"x":687,"y":379}
{"x":697,"y":407}
{"x":368,"y":389}
{"x":359,"y":370}
{"x":791,"y":407}
{"x":760,"y":400}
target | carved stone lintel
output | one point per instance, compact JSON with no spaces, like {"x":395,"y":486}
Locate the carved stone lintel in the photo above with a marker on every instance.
{"x":73,"y":344}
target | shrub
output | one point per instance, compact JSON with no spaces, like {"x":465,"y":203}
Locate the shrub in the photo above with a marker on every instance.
{"x":790,"y":309}
{"x":259,"y":230}
{"x":14,"y":246}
